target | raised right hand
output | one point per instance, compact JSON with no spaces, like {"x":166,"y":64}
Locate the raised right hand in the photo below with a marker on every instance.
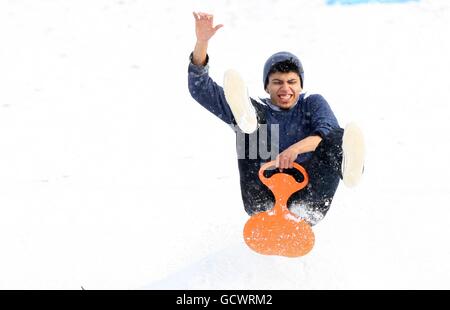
{"x":204,"y":28}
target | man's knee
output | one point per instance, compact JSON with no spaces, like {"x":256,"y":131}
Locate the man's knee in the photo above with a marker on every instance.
{"x":333,"y":138}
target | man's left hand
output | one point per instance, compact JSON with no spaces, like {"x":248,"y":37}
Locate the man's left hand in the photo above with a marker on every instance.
{"x":287,"y":158}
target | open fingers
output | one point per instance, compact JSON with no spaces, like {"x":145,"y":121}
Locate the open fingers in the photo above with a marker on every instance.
{"x":202,"y":16}
{"x":207,"y":19}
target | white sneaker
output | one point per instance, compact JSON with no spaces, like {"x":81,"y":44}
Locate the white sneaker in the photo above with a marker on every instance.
{"x":237,"y":97}
{"x":353,"y":155}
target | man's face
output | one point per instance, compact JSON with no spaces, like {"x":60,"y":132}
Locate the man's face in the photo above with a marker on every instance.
{"x":284,"y":89}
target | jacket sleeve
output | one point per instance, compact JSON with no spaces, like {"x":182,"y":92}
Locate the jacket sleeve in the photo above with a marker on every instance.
{"x":322,"y":117}
{"x":206,"y":92}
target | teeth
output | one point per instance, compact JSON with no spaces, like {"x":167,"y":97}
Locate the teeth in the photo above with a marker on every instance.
{"x":285,"y":96}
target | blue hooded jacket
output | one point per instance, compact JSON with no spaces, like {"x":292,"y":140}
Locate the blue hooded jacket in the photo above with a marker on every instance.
{"x":311,"y":115}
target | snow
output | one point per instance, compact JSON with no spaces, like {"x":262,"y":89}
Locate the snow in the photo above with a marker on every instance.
{"x":113,"y":177}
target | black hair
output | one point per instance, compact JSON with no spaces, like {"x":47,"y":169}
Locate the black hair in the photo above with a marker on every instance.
{"x":284,"y":66}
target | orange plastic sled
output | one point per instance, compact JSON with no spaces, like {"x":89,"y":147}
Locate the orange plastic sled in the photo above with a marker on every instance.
{"x":278,"y":231}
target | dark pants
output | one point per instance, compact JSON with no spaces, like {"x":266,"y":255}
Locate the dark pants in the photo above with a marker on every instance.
{"x":311,"y":203}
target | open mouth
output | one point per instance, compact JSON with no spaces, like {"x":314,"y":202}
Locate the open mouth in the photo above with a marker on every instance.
{"x":285,"y":98}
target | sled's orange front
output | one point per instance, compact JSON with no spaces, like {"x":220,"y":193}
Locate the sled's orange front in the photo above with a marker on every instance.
{"x":278,"y":231}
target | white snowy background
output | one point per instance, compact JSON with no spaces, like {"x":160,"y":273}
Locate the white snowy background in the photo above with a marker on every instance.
{"x":113,"y":177}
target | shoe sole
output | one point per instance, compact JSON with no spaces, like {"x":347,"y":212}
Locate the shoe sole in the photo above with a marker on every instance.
{"x":354,"y":153}
{"x":237,"y":97}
